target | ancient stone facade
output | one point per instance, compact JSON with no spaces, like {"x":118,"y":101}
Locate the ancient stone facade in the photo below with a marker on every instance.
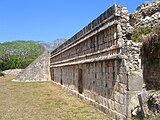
{"x":101,"y":65}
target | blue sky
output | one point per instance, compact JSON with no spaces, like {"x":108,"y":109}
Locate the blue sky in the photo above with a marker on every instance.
{"x":47,"y":20}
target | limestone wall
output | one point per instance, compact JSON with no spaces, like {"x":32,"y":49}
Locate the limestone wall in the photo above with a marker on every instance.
{"x":100,"y":64}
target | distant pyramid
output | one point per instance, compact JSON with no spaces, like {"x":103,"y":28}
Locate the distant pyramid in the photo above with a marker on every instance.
{"x":38,"y":70}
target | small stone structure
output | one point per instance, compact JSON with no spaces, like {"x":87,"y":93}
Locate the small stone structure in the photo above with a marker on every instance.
{"x":38,"y":70}
{"x":100,"y":64}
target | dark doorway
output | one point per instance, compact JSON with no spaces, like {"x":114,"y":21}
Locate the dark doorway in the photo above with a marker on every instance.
{"x":52,"y":74}
{"x":61,"y":78}
{"x":80,"y":83}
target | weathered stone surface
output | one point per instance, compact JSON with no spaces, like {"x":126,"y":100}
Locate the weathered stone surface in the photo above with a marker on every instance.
{"x":13,"y":72}
{"x":150,"y":103}
{"x":106,"y":58}
{"x":36,"y":71}
{"x":136,"y":81}
{"x":154,"y":102}
{"x":131,"y":101}
{"x":147,"y":14}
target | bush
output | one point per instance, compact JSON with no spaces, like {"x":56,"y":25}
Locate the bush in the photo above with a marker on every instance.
{"x":1,"y":73}
{"x":139,"y":32}
{"x":131,"y":15}
{"x":151,"y":60}
{"x":19,"y":54}
{"x":138,"y":8}
{"x":151,"y":44}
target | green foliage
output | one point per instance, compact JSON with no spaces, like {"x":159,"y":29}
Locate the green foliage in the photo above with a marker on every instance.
{"x":138,"y":8}
{"x":151,"y":44}
{"x":18,"y":54}
{"x":1,"y":73}
{"x":139,"y":32}
{"x":131,"y":15}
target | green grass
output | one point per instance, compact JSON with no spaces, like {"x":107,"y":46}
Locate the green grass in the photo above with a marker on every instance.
{"x":139,"y":32}
{"x":42,"y":101}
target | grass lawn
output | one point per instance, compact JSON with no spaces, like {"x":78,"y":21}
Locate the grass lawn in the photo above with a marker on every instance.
{"x":42,"y":101}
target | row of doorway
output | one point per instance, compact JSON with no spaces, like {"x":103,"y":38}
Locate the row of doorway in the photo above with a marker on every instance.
{"x":80,"y":80}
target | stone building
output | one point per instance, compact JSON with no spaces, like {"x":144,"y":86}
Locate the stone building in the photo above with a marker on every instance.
{"x":101,"y":65}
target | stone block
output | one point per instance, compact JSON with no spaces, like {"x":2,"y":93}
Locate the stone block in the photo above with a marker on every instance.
{"x":123,"y":78}
{"x":112,"y":105}
{"x":121,"y":88}
{"x":117,"y":106}
{"x":123,"y":69}
{"x":121,"y":98}
{"x":106,"y":111}
{"x":135,"y":81}
{"x":102,"y":108}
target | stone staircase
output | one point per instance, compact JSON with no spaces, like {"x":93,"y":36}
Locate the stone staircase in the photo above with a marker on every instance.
{"x":38,"y":70}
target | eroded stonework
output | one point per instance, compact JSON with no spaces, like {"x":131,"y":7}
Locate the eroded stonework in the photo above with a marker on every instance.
{"x":101,"y":65}
{"x":38,"y":70}
{"x":147,"y":14}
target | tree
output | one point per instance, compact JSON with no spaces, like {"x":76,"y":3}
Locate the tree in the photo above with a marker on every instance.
{"x":18,"y":54}
{"x":58,"y":42}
